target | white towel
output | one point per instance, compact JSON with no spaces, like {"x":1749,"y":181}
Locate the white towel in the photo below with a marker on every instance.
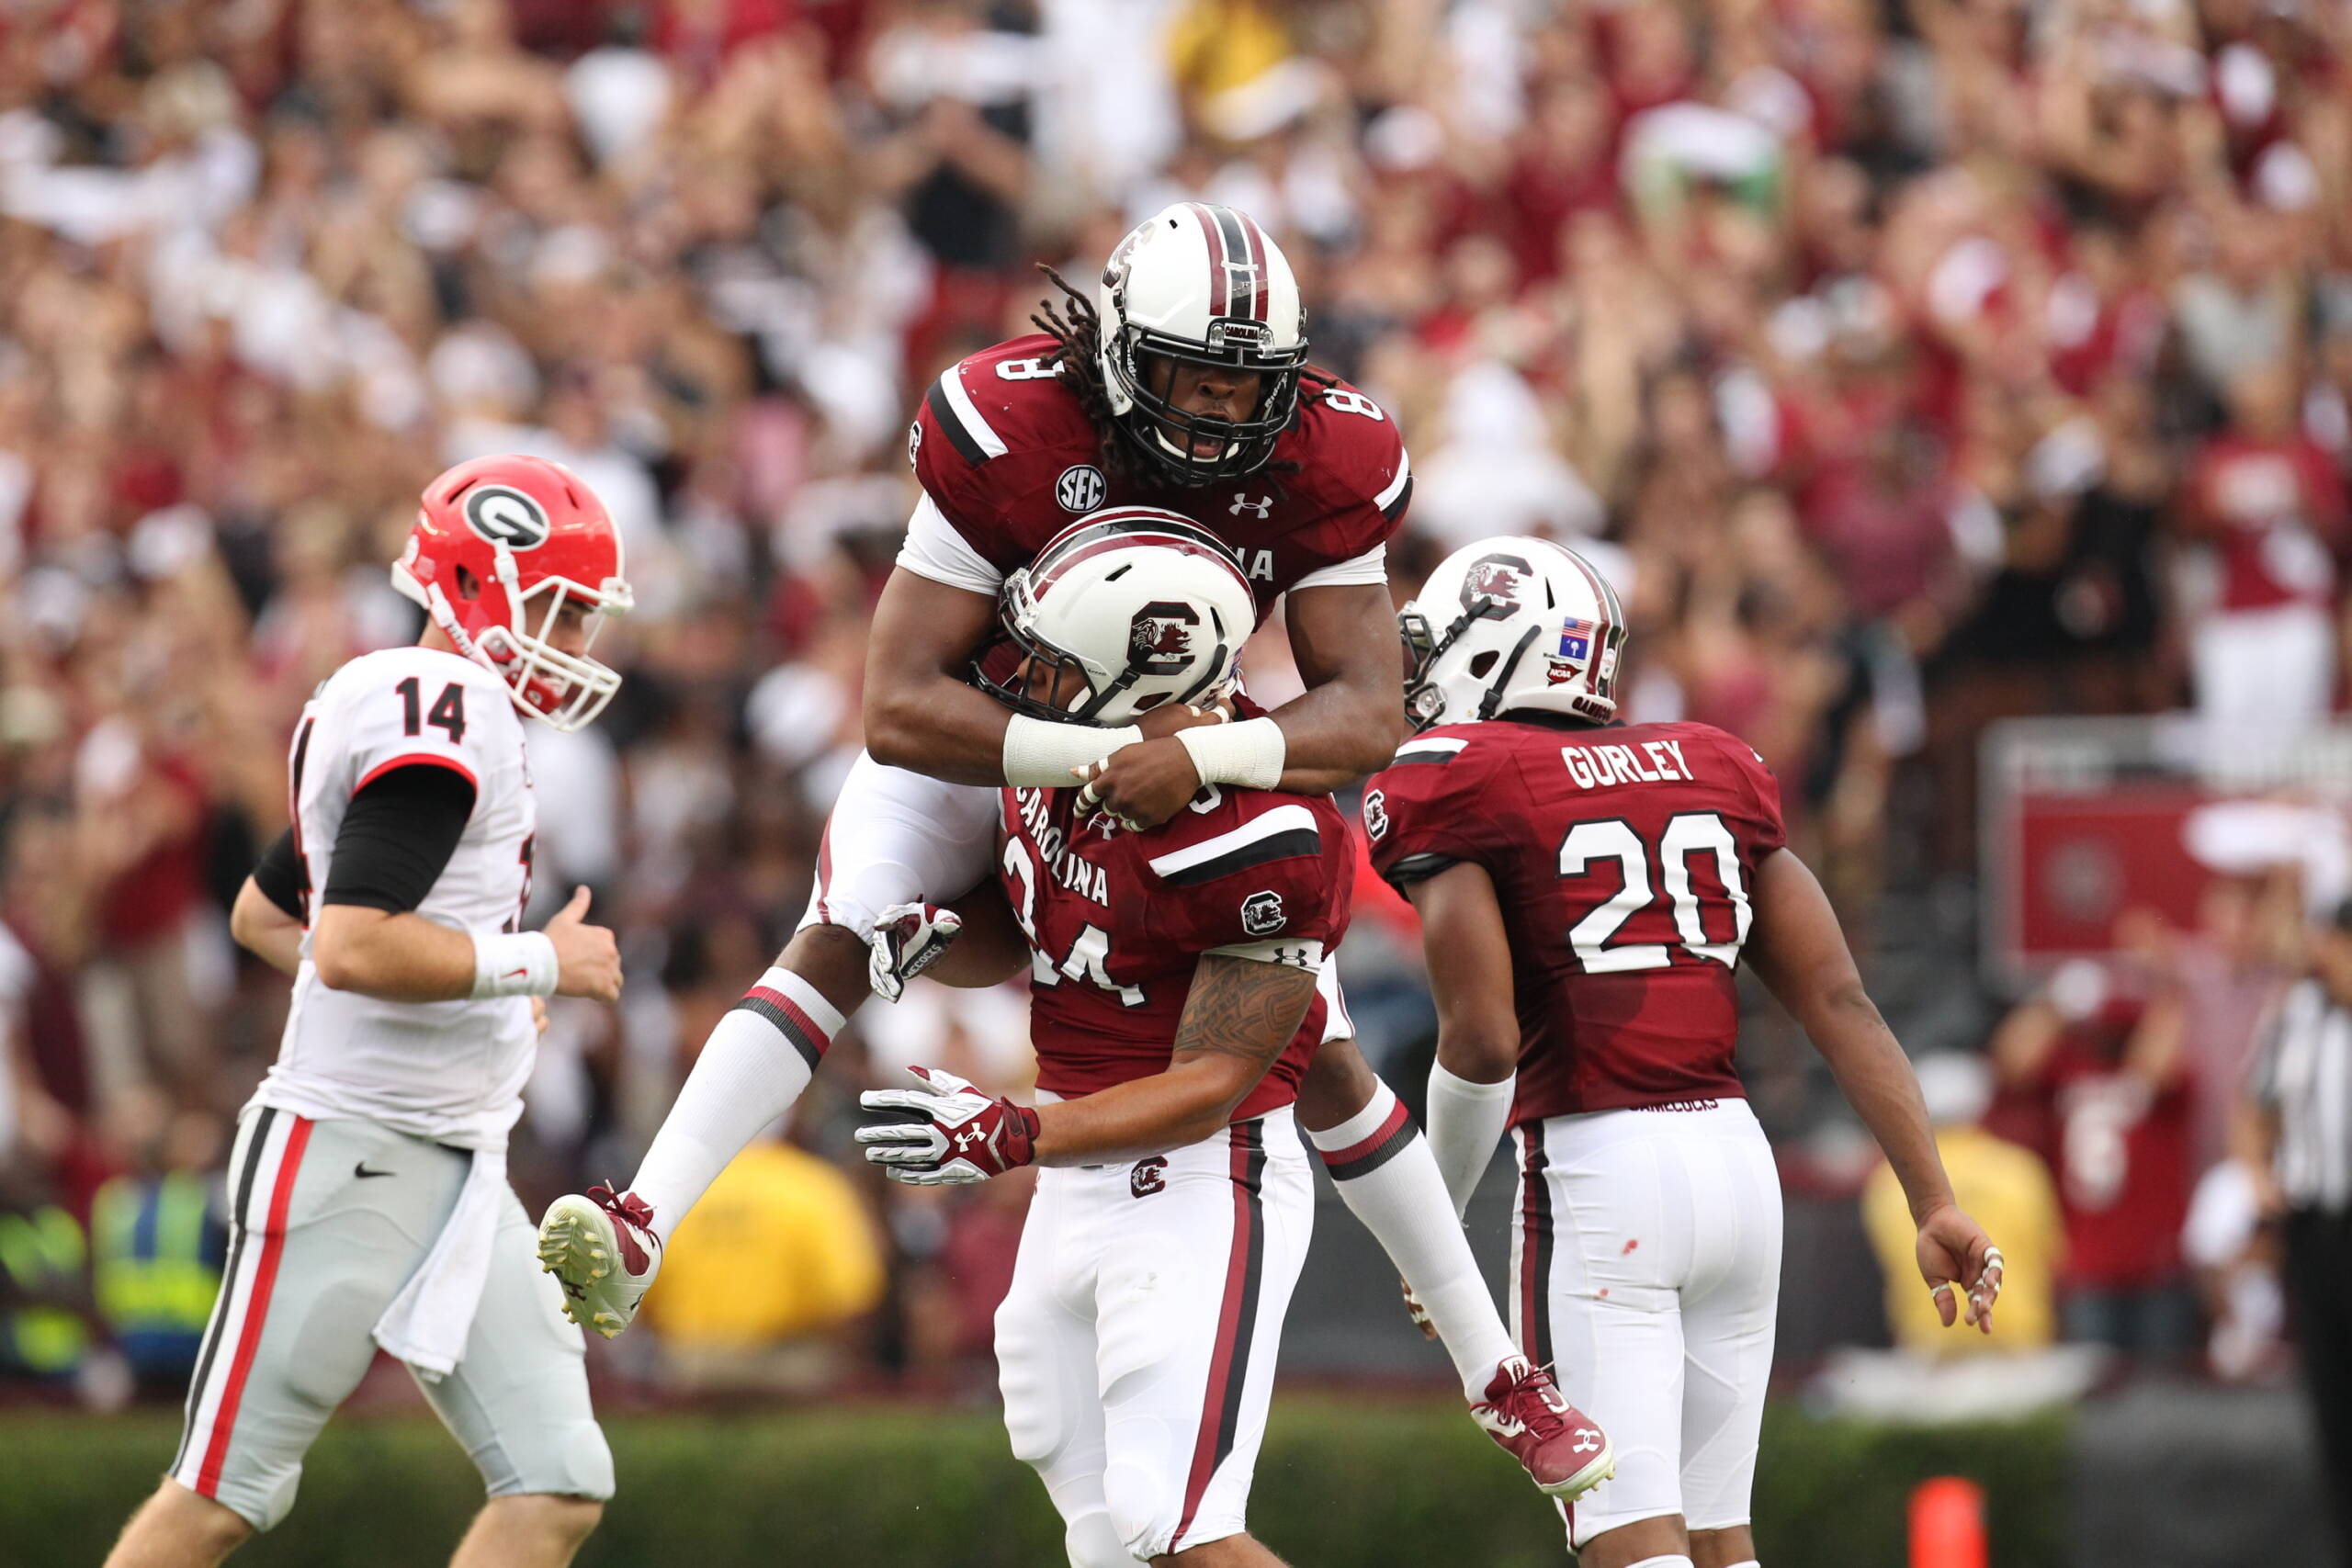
{"x":426,"y":1323}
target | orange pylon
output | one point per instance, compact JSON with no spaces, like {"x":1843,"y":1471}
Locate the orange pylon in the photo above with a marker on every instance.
{"x":1947,"y":1523}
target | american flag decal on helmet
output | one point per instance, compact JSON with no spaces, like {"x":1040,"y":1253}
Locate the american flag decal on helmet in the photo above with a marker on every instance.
{"x":1576,"y":639}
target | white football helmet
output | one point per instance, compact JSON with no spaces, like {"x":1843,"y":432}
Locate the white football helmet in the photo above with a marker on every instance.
{"x":1142,"y":606}
{"x":1512,"y":623}
{"x":1204,"y":285}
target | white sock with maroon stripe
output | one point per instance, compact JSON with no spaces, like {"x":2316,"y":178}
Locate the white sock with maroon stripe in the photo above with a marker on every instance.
{"x":752,"y":1067}
{"x":1382,"y":1167}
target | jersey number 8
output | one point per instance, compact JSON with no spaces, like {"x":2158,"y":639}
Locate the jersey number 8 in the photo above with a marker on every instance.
{"x":1688,"y":834}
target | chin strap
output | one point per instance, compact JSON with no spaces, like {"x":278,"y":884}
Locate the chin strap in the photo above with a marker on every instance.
{"x":437,"y":605}
{"x":1417,"y":678}
{"x":1494,"y":697}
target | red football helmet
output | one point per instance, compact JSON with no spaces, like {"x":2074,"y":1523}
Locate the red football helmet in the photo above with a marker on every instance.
{"x":500,"y":545}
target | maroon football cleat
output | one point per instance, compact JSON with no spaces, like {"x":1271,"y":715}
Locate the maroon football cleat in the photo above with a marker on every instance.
{"x":1561,"y":1447}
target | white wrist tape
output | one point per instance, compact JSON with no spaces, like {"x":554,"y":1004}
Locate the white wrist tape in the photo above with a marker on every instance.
{"x":1248,"y":753}
{"x":1040,"y":754}
{"x":513,"y":964}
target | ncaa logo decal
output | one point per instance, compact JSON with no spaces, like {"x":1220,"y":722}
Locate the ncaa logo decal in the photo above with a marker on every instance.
{"x":1080,"y":487}
{"x":1261,"y":913}
{"x":1375,"y":813}
{"x":504,"y":515}
{"x":1148,"y":1176}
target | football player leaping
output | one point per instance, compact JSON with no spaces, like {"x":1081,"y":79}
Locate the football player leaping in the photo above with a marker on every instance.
{"x":1174,"y":1007}
{"x":1586,"y":890}
{"x":369,"y":1204}
{"x":1188,"y":387}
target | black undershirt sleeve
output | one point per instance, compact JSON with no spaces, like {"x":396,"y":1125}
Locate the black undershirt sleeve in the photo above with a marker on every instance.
{"x":1410,"y":869}
{"x":279,"y":876}
{"x":397,"y":835}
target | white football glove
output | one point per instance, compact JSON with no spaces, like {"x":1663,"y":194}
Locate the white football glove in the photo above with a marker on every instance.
{"x":908,"y":939}
{"x":957,"y":1135}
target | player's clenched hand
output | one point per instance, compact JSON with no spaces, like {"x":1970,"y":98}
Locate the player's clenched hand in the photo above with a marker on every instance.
{"x":1955,"y":1251}
{"x":1142,"y":785}
{"x":1168,"y":718}
{"x":944,"y":1131}
{"x":587,"y":960}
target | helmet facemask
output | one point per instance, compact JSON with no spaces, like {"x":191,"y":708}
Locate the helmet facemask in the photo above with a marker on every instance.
{"x":566,"y":690}
{"x":1143,"y":366}
{"x":1424,"y":698}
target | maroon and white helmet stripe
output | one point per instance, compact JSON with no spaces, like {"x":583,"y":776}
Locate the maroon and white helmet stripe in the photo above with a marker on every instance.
{"x":1147,"y":528}
{"x":1238,"y":276}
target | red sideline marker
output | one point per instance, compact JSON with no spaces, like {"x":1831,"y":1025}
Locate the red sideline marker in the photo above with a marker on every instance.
{"x":1947,"y":1523}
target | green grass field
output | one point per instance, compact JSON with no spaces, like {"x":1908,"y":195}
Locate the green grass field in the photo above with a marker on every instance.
{"x":1342,"y":1484}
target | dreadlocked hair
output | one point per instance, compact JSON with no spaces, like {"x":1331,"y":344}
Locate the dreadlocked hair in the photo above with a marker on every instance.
{"x":1075,"y":361}
{"x":1076,"y":328}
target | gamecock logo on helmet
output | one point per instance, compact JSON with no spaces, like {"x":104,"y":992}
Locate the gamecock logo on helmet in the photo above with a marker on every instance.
{"x":1114,"y":271}
{"x":504,"y":515}
{"x":1160,"y":637}
{"x":1494,"y":579}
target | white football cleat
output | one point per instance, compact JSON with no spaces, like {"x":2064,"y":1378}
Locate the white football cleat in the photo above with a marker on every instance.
{"x":603,"y":1249}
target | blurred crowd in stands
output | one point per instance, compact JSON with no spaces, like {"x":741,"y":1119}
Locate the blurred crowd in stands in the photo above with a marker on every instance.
{"x":1913,"y":364}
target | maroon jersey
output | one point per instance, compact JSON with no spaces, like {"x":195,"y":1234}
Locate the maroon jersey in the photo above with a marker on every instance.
{"x":1117,"y":921}
{"x":1009,"y":459}
{"x":2121,"y":1150}
{"x":1622,"y":859}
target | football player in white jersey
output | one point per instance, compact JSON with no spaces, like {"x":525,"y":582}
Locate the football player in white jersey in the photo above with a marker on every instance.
{"x":369,"y":1204}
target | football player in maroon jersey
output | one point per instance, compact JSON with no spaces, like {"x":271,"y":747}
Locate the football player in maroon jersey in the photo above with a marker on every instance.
{"x":1175,"y":1004}
{"x":1586,"y":890}
{"x":1186,"y":383}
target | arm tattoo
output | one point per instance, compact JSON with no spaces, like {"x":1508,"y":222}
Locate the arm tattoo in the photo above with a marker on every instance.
{"x":1241,"y":1007}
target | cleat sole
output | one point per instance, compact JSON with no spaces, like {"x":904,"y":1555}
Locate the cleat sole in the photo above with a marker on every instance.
{"x":572,"y":1247}
{"x":1585,"y":1480}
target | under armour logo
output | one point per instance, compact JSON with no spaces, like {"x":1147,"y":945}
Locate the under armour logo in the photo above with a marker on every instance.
{"x":1265,"y":508}
{"x":970,"y":1138}
{"x":1588,"y":1441}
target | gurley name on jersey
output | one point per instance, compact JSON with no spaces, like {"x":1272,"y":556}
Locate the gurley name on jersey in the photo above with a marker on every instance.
{"x":1657,"y":761}
{"x":1008,"y":458}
